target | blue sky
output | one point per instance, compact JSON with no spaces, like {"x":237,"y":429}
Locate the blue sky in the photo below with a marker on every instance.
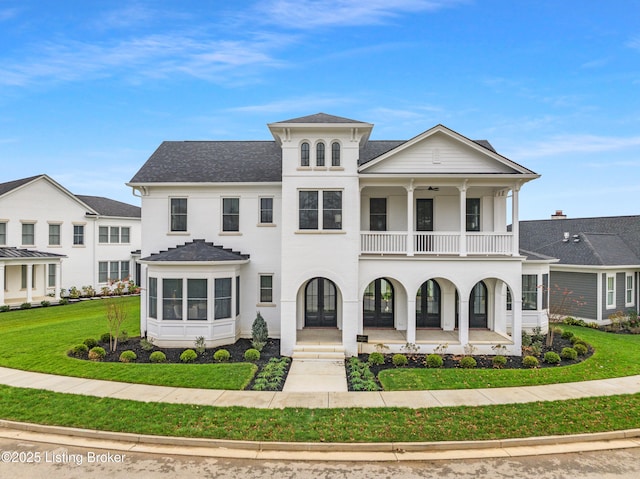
{"x":89,"y":89}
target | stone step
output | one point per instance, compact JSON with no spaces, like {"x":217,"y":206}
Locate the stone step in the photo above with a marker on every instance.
{"x":318,"y":351}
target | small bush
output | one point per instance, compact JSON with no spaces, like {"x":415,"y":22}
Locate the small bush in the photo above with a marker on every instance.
{"x":157,"y":357}
{"x":575,"y":339}
{"x":252,"y":355}
{"x":90,"y":343}
{"x":188,"y":356}
{"x":79,"y":350}
{"x":399,"y":360}
{"x":146,"y":344}
{"x":105,"y":338}
{"x":259,"y":332}
{"x":468,"y":362}
{"x":25,"y":306}
{"x":434,"y":361}
{"x":569,"y":353}
{"x":97,"y":353}
{"x":530,"y":362}
{"x":44,"y":303}
{"x":221,"y":355}
{"x":128,"y":356}
{"x":581,"y":349}
{"x":551,"y":357}
{"x":123,"y":338}
{"x":376,"y":359}
{"x":567,"y":334}
{"x":200,"y":345}
{"x":63,"y":301}
{"x":499,"y":361}
{"x":4,"y":308}
{"x":584,"y":343}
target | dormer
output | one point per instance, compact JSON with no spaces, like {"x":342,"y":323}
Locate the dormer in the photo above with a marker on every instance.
{"x":320,"y":144}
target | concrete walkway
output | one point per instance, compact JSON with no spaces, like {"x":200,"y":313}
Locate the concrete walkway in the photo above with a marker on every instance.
{"x":316,"y":375}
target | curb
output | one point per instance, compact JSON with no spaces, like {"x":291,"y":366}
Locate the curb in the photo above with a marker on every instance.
{"x":384,"y":451}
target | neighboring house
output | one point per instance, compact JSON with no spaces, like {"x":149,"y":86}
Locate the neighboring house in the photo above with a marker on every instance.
{"x":325,"y":230}
{"x":52,"y":239}
{"x":598,"y":261}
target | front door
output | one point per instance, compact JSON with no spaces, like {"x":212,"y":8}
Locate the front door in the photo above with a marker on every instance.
{"x":428,"y":305}
{"x":377,"y":307}
{"x":478,"y":306}
{"x":320,"y":304}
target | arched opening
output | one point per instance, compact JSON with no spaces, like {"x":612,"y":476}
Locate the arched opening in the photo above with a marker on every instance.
{"x":428,"y":311}
{"x":478,"y":306}
{"x":378,"y":305}
{"x":320,"y":304}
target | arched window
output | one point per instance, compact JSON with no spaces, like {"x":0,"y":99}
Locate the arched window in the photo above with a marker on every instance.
{"x":304,"y":154}
{"x":320,"y":154}
{"x":377,"y":305}
{"x":335,"y":154}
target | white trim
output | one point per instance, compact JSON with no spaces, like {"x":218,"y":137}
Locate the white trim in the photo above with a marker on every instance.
{"x":628,"y":290}
{"x":609,"y":305}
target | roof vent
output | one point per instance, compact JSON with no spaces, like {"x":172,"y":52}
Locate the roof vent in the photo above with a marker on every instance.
{"x":565,"y":236}
{"x":576,"y":238}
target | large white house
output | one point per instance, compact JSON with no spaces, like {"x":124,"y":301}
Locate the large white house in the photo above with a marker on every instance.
{"x":51,"y":239}
{"x":362,"y":242}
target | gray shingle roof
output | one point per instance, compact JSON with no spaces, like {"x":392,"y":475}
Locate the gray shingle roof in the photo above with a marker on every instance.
{"x":13,"y":252}
{"x":602,"y":241}
{"x":109,"y":207}
{"x":12,"y":185}
{"x":320,"y":118}
{"x":197,"y":250}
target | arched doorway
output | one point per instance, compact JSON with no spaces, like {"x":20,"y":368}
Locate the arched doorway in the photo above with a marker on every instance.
{"x":378,"y":304}
{"x":428,"y":305}
{"x":478,"y":306}
{"x":320,"y":310}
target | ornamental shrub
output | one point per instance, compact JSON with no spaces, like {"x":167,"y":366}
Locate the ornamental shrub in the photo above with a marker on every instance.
{"x":499,"y":361}
{"x":583,"y":342}
{"x":569,"y":353}
{"x":434,"y":361}
{"x":399,"y":360}
{"x":259,"y":332}
{"x":97,"y":353}
{"x":581,"y":349}
{"x":79,"y":350}
{"x":188,"y":355}
{"x":530,"y":362}
{"x":221,"y":355}
{"x":575,"y":339}
{"x":376,"y":359}
{"x":146,"y":344}
{"x":25,"y":306}
{"x":128,"y":356}
{"x":551,"y":357}
{"x":105,"y":338}
{"x":468,"y":362}
{"x":567,"y":334}
{"x":252,"y":355}
{"x":90,"y":343}
{"x":157,"y":357}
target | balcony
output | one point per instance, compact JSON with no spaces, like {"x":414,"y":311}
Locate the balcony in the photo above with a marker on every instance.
{"x":436,"y":243}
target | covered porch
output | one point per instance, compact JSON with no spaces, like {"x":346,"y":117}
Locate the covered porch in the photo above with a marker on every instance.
{"x":29,"y":276}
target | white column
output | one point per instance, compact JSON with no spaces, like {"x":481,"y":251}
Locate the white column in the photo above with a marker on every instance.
{"x":410,"y":202}
{"x":29,"y":283}
{"x":2,"y":285}
{"x":515,"y":226}
{"x":57,"y":282}
{"x":516,"y":331}
{"x":463,"y":321}
{"x":411,"y":320}
{"x":463,"y":219}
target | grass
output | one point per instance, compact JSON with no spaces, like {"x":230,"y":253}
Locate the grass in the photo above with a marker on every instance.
{"x":615,"y":355}
{"x":38,"y":339}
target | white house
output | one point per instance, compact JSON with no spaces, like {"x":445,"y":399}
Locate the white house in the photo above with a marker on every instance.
{"x":52,"y":239}
{"x":325,"y":231}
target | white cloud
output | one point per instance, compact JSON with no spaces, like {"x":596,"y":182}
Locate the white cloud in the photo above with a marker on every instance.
{"x":8,"y":13}
{"x":634,"y":42}
{"x":304,"y":105}
{"x":567,"y":144}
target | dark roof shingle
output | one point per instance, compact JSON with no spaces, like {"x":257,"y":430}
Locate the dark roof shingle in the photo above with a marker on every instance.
{"x":197,"y":250}
{"x":13,"y":252}
{"x":108,"y":207}
{"x":320,"y":118}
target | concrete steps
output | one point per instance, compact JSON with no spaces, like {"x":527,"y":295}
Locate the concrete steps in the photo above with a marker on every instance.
{"x":328,"y":352}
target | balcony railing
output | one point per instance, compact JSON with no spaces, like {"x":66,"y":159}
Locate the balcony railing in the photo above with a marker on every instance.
{"x":435,"y":243}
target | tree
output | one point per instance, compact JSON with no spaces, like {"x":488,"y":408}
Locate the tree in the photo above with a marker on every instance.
{"x":116,"y":316}
{"x":259,"y":332}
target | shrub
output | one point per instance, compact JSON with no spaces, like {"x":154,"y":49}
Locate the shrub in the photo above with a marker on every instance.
{"x":157,"y":357}
{"x":105,"y":338}
{"x":376,"y":359}
{"x":97,"y":353}
{"x":123,"y":337}
{"x":221,"y":355}
{"x":569,"y":353}
{"x":567,"y":334}
{"x":128,"y":356}
{"x":581,"y":349}
{"x":499,"y":361}
{"x":90,"y":343}
{"x":575,"y":339}
{"x":63,"y":301}
{"x":4,"y":308}
{"x":200,"y":345}
{"x":468,"y":362}
{"x":530,"y":362}
{"x":188,"y":355}
{"x":584,"y":343}
{"x":79,"y":350}
{"x":434,"y":361}
{"x":146,"y":344}
{"x":25,"y":306}
{"x":399,"y":360}
{"x":259,"y":332}
{"x":252,"y":355}
{"x":44,"y":303}
{"x":551,"y":357}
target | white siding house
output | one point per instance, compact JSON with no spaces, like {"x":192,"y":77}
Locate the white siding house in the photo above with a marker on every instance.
{"x":323,"y":229}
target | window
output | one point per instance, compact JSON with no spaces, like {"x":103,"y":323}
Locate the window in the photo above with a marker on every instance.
{"x":113,"y":271}
{"x":125,"y":234}
{"x":529,"y":292}
{"x":171,"y":298}
{"x":377,"y":214}
{"x":308,"y":210}
{"x":545,"y":291}
{"x":424,"y":214}
{"x":266,"y":211}
{"x":335,"y":154}
{"x":304,"y":154}
{"x":629,"y":290}
{"x":54,"y":235}
{"x":611,"y":291}
{"x":124,"y":270}
{"x":509,"y":301}
{"x":237,"y":295}
{"x":230,"y":214}
{"x":153,"y":297}
{"x":178,"y":214}
{"x":222,"y":307}
{"x":51,"y":276}
{"x":266,"y":288}
{"x":197,"y":299}
{"x":114,"y":234}
{"x":103,"y":272}
{"x":78,"y":235}
{"x":3,"y":233}
{"x":332,"y":210}
{"x":320,"y":154}
{"x":473,"y":214}
{"x":28,"y":234}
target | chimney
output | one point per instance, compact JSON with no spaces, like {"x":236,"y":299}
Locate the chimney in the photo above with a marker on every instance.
{"x":559,"y":215}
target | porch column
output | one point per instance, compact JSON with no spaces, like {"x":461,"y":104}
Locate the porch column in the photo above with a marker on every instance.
{"x":411,"y":320}
{"x":463,"y":322}
{"x":57,"y":289}
{"x":516,"y":331}
{"x":515,"y":226}
{"x":410,"y":202}
{"x":29,"y":283}
{"x":2,"y":285}
{"x":463,"y":219}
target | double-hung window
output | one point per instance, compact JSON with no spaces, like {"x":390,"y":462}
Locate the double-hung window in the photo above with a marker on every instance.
{"x":3,"y":233}
{"x":309,"y":206}
{"x":51,"y":275}
{"x":197,"y":299}
{"x":178,"y":212}
{"x":266,"y":288}
{"x":332,"y":210}
{"x":473,"y":214}
{"x":222,"y":306}
{"x":308,"y":210}
{"x":54,"y":235}
{"x":78,"y":235}
{"x":230,"y":214}
{"x":377,"y":214}
{"x":629,"y":295}
{"x":266,"y":211}
{"x":172,"y":298}
{"x":611,"y":291}
{"x":529,"y":292}
{"x":28,"y":234}
{"x":153,"y":297}
{"x":114,"y":234}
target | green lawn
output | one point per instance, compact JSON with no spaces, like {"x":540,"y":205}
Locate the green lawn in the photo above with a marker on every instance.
{"x":38,"y":339}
